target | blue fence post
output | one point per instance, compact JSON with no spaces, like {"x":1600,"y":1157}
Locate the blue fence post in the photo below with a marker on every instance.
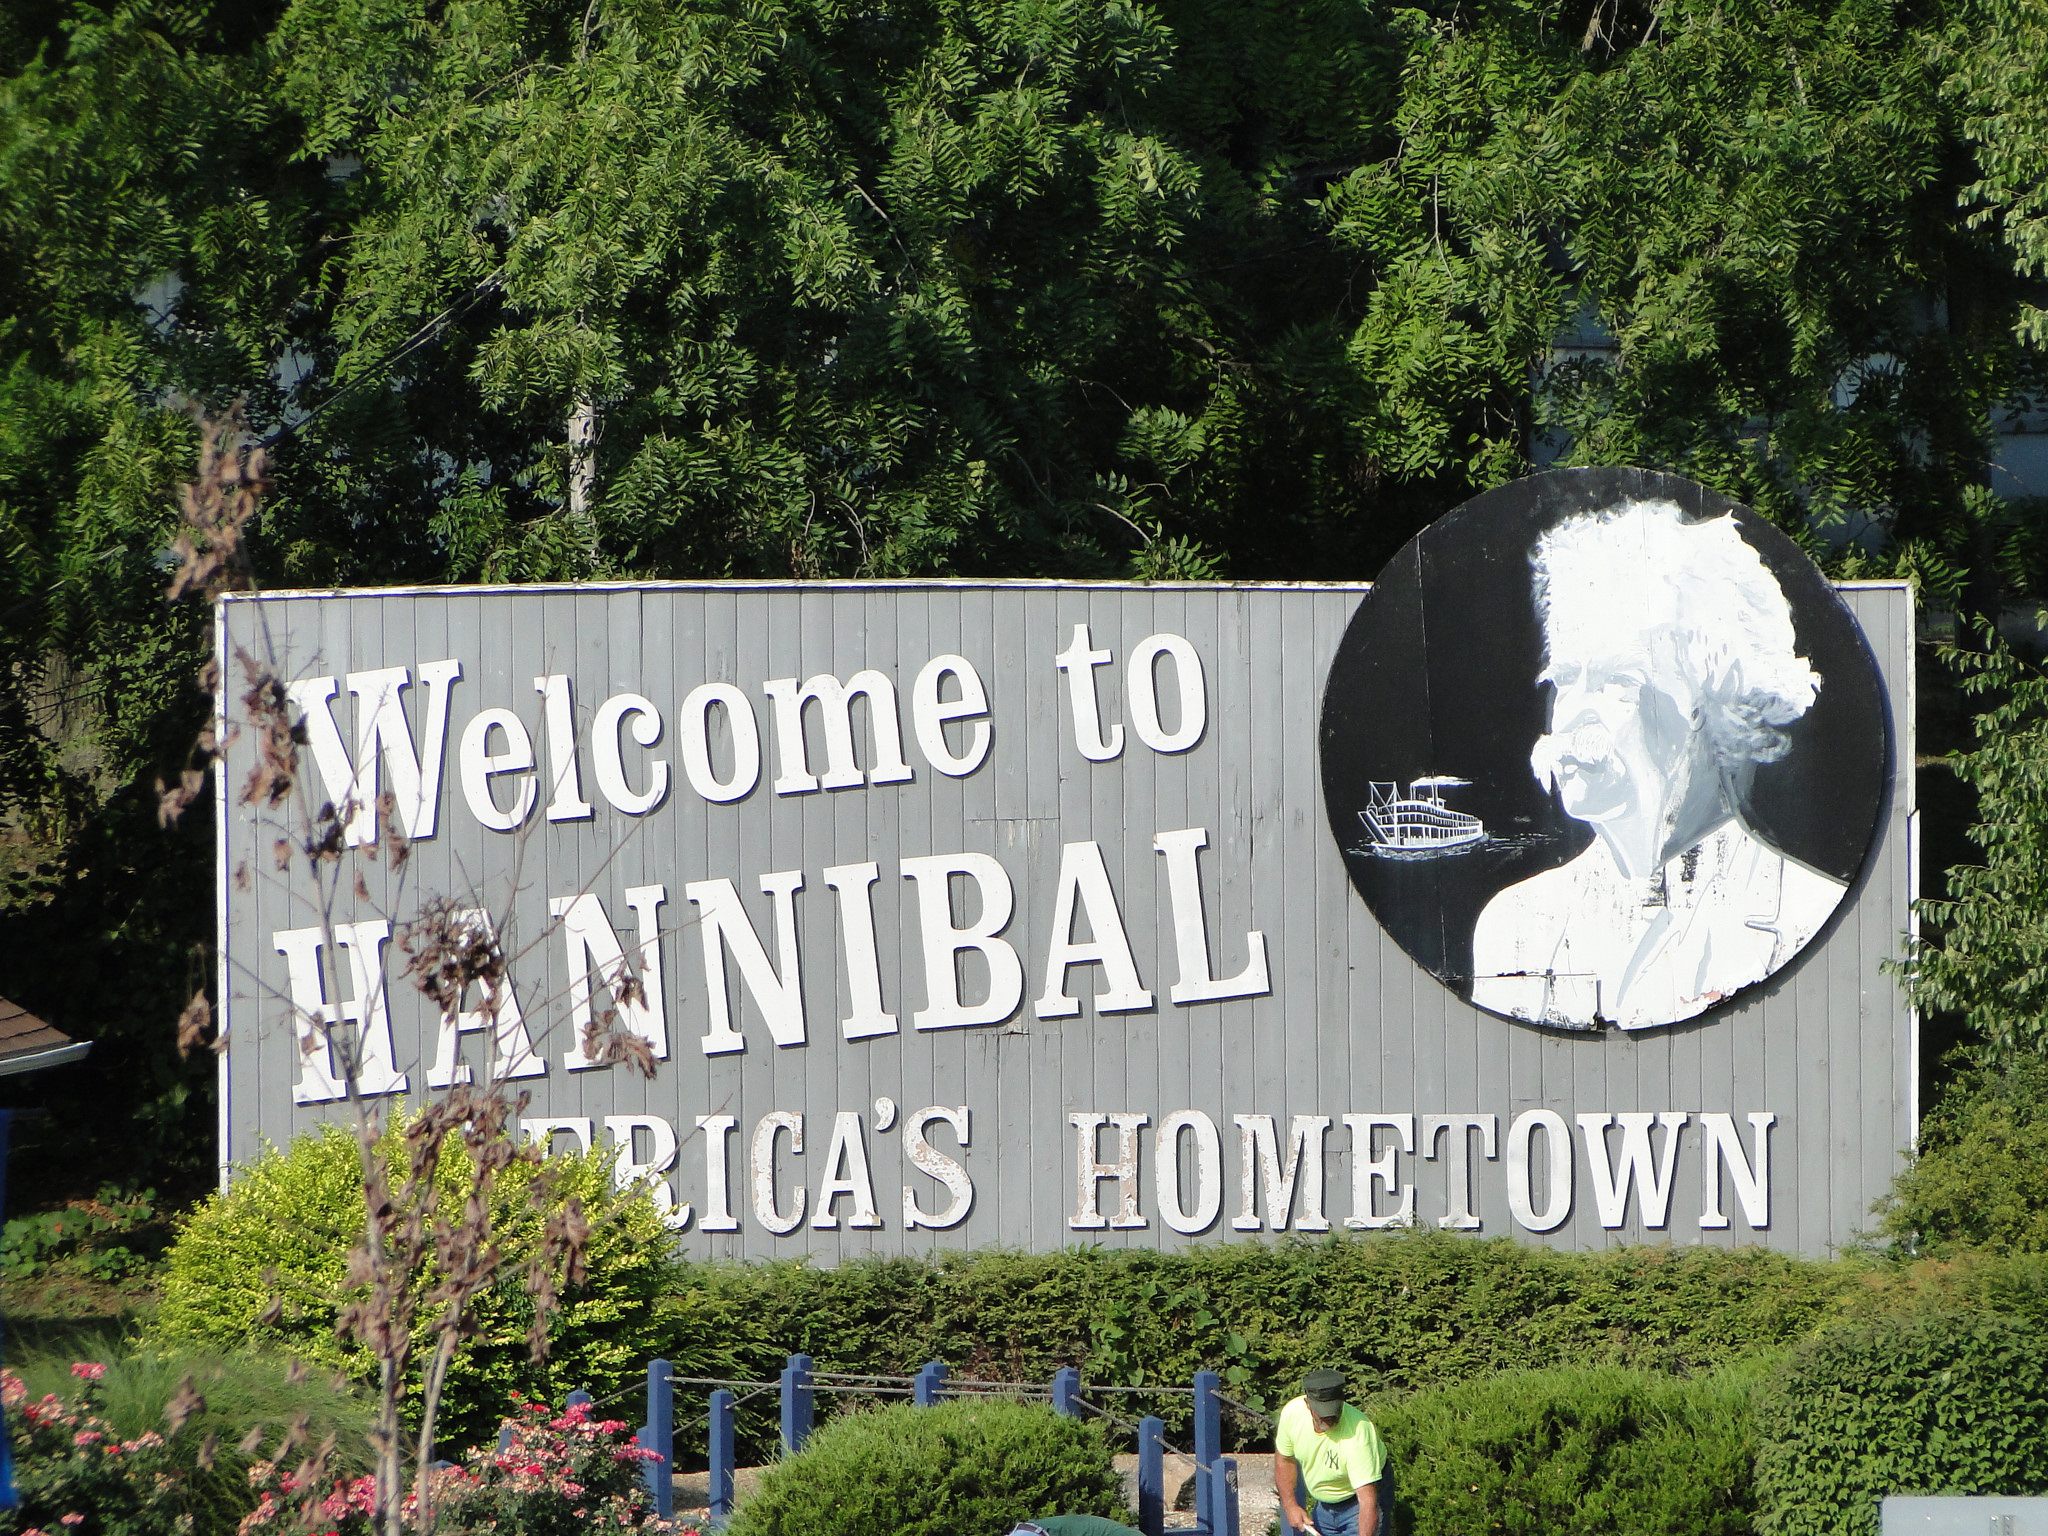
{"x":722,"y":1455}
{"x":931,"y":1384}
{"x":1208,"y":1446}
{"x":1066,"y":1392}
{"x":505,"y":1437}
{"x":1223,"y":1496}
{"x":1152,"y":1475}
{"x":661,"y":1437}
{"x":799,"y":1405}
{"x":578,"y":1399}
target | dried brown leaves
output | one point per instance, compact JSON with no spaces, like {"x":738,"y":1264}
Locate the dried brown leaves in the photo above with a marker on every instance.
{"x":606,"y":1043}
{"x":267,"y":709}
{"x":606,"y":1039}
{"x":174,"y":800}
{"x":447,"y":949}
{"x":184,"y":1403}
{"x":217,"y":508}
{"x":565,"y":1239}
{"x":193,"y":1025}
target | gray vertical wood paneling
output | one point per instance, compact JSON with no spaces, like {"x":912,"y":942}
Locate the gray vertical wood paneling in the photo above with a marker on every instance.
{"x":1351,"y":1025}
{"x":727,"y":627}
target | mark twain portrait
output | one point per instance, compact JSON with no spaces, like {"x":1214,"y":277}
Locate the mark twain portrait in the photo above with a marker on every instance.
{"x":1673,"y":671}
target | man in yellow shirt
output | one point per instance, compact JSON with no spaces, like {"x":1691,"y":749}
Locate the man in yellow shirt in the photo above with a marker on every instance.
{"x":1326,"y":1445}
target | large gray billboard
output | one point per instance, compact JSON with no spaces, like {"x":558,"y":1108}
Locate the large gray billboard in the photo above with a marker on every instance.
{"x":966,"y":914}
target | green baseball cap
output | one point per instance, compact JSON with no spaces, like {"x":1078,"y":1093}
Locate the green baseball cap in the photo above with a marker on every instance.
{"x":1324,"y":1389}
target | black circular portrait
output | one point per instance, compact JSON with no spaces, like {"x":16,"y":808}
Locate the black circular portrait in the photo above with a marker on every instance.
{"x":1603,"y":748}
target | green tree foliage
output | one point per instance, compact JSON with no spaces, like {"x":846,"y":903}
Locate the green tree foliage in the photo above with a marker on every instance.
{"x":149,"y":230}
{"x":961,"y":1466}
{"x":1978,"y":1174}
{"x":969,"y":287}
{"x":1999,"y":53}
{"x":1990,"y":966}
{"x":1056,"y":286}
{"x":1945,"y":1401}
{"x":1976,"y":1180}
{"x":267,"y":1262}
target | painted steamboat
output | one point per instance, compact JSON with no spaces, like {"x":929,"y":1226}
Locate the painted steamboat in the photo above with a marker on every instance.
{"x":1416,"y":820}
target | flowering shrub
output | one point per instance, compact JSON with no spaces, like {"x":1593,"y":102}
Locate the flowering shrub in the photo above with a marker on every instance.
{"x":566,"y":1474}
{"x":563,"y":1474}
{"x":295,"y":1501}
{"x":75,"y":1476}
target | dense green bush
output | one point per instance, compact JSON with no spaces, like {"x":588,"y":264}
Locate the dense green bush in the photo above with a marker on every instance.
{"x":283,"y":1230}
{"x":1932,"y":1400}
{"x":1592,"y":1450}
{"x":959,"y":1467}
{"x":1400,"y":1311}
{"x":1980,"y":1180}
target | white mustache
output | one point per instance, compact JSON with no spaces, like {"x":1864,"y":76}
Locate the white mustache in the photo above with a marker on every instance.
{"x":1589,"y":744}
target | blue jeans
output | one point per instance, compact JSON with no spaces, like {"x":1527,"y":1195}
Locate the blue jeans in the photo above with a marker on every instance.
{"x":1336,"y":1519}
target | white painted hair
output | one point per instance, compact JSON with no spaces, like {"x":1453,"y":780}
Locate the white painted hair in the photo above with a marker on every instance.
{"x":1639,"y":578}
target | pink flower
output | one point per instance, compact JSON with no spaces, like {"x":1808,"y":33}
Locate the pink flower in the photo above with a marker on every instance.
{"x":72,"y":1520}
{"x":85,"y":1437}
{"x":88,"y":1370}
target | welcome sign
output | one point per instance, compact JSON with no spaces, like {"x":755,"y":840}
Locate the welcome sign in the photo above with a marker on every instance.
{"x":966,"y":914}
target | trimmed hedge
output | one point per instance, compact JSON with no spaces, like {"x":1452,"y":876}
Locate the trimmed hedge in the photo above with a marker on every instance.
{"x":1949,"y":1401}
{"x":942,"y":1471}
{"x":295,"y":1214}
{"x":1400,"y":1311}
{"x":1599,"y":1450}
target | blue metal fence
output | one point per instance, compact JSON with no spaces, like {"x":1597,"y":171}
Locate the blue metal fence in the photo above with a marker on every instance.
{"x":799,"y":1383}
